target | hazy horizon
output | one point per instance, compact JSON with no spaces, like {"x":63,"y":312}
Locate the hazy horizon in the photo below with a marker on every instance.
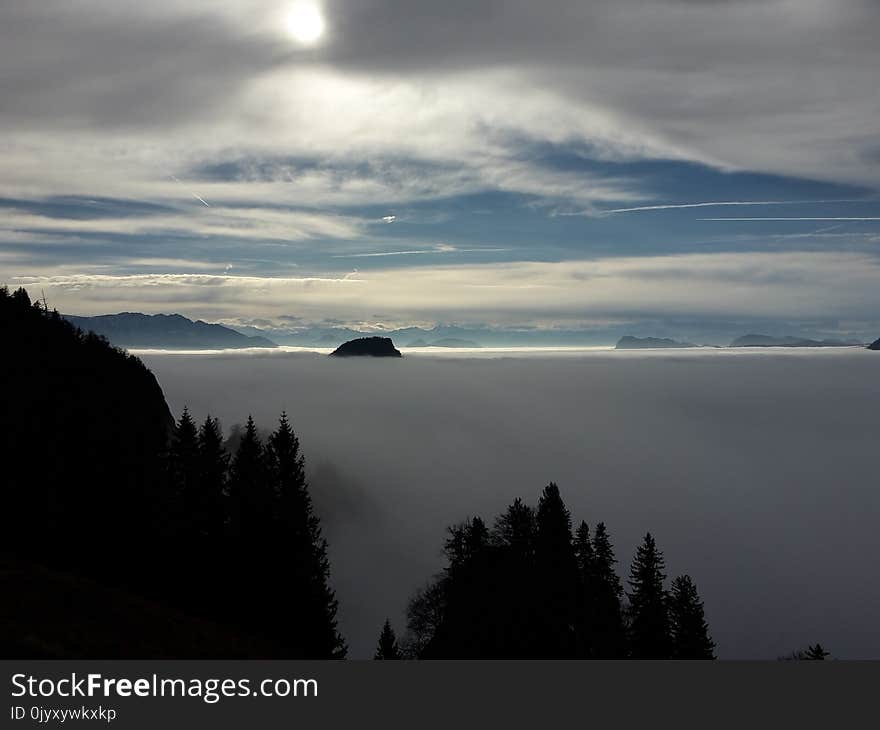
{"x":376,"y":164}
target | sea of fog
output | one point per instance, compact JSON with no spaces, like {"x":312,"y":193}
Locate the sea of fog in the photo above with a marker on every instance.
{"x":756,"y":470}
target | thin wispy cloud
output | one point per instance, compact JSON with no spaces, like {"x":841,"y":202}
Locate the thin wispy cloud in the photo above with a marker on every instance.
{"x":718,"y":203}
{"x":379,"y":254}
{"x":800,"y":218}
{"x":799,"y":285}
{"x":440,"y":249}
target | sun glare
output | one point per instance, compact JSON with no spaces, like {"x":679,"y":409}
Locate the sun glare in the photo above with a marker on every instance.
{"x":305,"y":22}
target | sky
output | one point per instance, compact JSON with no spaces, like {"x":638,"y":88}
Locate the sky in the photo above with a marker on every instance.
{"x":384,"y":163}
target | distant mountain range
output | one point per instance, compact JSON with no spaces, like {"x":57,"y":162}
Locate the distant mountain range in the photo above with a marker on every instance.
{"x":166,"y":331}
{"x":174,"y":331}
{"x":439,"y":336}
{"x":446,"y":342}
{"x":648,"y":343}
{"x":769,"y":341}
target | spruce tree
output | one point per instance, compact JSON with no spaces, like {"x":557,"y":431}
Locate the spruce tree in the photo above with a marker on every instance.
{"x":387,"y":647}
{"x":310,"y":602}
{"x":690,"y":632}
{"x":608,"y":634}
{"x":585,"y":599}
{"x":465,"y":544}
{"x":515,"y":530}
{"x":208,"y":511}
{"x":249,"y":490}
{"x":183,"y":463}
{"x":649,"y":612}
{"x":518,"y":631}
{"x":472,"y":609}
{"x":557,"y":574}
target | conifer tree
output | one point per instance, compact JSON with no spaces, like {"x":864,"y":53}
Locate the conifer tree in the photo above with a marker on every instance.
{"x":515,"y":530}
{"x":471,"y":610}
{"x":649,"y":618}
{"x":183,"y":465}
{"x":608,"y":634}
{"x":690,"y":632}
{"x":557,"y":574}
{"x":311,"y":605}
{"x":466,"y":542}
{"x":585,"y":599}
{"x":288,"y":480}
{"x":583,"y":551}
{"x":387,"y":648}
{"x":208,"y":511}
{"x":518,"y":632}
{"x":250,"y":492}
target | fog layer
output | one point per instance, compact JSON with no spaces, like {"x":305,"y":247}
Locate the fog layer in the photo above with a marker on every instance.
{"x":756,"y":472}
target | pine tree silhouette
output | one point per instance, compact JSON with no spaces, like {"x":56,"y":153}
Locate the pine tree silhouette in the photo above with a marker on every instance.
{"x":557,"y":574}
{"x":249,"y":490}
{"x":649,"y":612}
{"x":515,"y":530}
{"x":517,"y":605}
{"x":585,"y":598}
{"x":208,"y":511}
{"x":690,"y":632}
{"x":461,"y":597}
{"x":503,"y":593}
{"x":311,"y":602}
{"x":608,"y":635}
{"x":387,"y":648}
{"x":184,"y":467}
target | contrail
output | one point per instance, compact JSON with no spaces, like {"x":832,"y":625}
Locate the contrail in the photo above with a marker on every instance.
{"x":420,"y":252}
{"x":197,"y":197}
{"x":676,"y":206}
{"x":838,"y":218}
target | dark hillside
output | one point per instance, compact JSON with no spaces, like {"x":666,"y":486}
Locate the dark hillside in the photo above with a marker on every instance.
{"x":126,"y":534}
{"x":83,"y":426}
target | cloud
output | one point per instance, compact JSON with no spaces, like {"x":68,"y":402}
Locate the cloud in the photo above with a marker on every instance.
{"x":242,"y":223}
{"x":786,"y":285}
{"x":438,"y":248}
{"x":209,"y":112}
{"x":734,"y":84}
{"x":735,"y":461}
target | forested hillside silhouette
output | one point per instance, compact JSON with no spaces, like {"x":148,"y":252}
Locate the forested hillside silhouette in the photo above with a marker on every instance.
{"x":105,"y":495}
{"x":530,"y":588}
{"x":128,"y":534}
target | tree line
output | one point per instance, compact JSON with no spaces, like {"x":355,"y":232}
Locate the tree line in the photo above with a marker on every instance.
{"x":257,"y":500}
{"x":530,"y":587}
{"x":103,"y":488}
{"x":100,"y":481}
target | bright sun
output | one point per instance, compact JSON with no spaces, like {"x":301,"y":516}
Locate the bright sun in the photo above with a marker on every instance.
{"x":305,"y":22}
